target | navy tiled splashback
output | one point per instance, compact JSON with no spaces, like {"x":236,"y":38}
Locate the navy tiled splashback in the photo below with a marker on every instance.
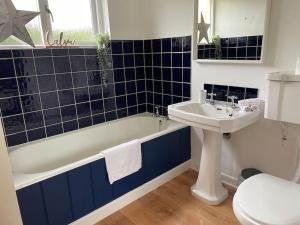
{"x":45,"y":92}
{"x":168,"y":72}
{"x":234,"y":48}
{"x":223,"y":91}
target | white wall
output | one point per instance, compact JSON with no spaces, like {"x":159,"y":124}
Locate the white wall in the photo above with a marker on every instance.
{"x":127,"y":19}
{"x":259,"y":145}
{"x":9,"y":209}
{"x":149,"y":19}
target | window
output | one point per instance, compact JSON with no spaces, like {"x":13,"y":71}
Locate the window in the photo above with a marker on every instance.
{"x":79,"y":20}
{"x":70,"y":21}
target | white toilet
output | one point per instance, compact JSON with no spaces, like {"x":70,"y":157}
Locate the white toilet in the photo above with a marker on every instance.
{"x":264,"y":199}
{"x":267,"y":200}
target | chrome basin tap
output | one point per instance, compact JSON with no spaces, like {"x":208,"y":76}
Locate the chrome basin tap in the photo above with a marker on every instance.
{"x":232,"y":98}
{"x":211,"y":99}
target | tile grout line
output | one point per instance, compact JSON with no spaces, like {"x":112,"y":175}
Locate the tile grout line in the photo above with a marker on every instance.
{"x":75,"y":103}
{"x":21,"y":105}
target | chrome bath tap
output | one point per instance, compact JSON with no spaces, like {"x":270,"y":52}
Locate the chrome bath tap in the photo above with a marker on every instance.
{"x":156,"y":113}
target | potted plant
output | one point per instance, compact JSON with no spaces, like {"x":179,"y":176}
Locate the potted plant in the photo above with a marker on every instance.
{"x":104,"y":56}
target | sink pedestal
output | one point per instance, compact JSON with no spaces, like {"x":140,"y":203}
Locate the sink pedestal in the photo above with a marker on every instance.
{"x":208,"y":187}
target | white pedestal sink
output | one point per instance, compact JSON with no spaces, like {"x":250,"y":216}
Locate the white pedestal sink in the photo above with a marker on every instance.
{"x":214,"y":120}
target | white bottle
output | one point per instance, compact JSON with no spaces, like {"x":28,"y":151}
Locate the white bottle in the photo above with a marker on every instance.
{"x":202,"y":96}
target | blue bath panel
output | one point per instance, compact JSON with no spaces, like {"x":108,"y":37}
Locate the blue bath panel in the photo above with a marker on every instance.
{"x":57,"y":200}
{"x":101,"y":186}
{"x":128,"y":183}
{"x":81,"y":191}
{"x":32,"y":206}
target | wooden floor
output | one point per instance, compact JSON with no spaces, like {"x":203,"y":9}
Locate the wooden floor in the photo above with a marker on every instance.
{"x":173,"y":204}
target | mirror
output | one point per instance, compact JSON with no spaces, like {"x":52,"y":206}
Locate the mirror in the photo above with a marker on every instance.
{"x":230,"y":30}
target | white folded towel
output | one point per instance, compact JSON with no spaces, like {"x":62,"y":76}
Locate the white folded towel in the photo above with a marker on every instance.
{"x":123,"y":160}
{"x":251,"y":104}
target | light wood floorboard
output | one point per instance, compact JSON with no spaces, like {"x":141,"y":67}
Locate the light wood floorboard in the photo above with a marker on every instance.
{"x":173,"y":204}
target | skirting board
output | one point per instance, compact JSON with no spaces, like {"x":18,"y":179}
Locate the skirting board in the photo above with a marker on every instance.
{"x":226,"y":179}
{"x":131,"y":196}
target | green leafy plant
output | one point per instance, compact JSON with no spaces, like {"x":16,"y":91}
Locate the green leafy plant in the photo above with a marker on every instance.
{"x":218,"y":48}
{"x":104,"y":56}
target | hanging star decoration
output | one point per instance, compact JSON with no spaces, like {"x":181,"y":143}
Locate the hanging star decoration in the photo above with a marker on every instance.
{"x":13,"y":21}
{"x":203,"y":28}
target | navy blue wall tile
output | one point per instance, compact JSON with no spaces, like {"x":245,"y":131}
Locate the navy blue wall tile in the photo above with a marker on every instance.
{"x":63,"y":88}
{"x":22,"y":53}
{"x":28,"y":85}
{"x":47,"y":83}
{"x":34,"y":120}
{"x":54,"y":130}
{"x":5,"y":54}
{"x":235,"y":48}
{"x":222,"y":92}
{"x":44,"y":65}
{"x":156,"y":45}
{"x":52,"y":116}
{"x":77,"y":63}
{"x":8,"y":88}
{"x":16,"y":139}
{"x":62,"y":64}
{"x":6,"y":68}
{"x":64,"y":81}
{"x":36,"y":134}
{"x":127,"y":47}
{"x":25,"y":66}
{"x":14,"y":124}
{"x":83,"y":109}
{"x":31,"y":102}
{"x":147,"y":46}
{"x":10,"y":106}
{"x":66,"y":97}
{"x":138,"y":46}
{"x":85,"y":122}
{"x":70,"y":126}
{"x":49,"y":100}
{"x":68,"y":113}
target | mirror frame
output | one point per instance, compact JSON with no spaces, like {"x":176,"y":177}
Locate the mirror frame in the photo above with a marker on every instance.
{"x":264,"y":45}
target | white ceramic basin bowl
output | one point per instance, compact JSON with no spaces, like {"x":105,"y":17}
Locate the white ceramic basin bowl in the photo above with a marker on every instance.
{"x":216,"y":117}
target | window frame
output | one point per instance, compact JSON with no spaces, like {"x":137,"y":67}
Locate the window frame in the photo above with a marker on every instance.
{"x":99,"y":17}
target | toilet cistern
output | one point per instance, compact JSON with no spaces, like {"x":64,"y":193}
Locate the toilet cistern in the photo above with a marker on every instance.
{"x":215,"y":120}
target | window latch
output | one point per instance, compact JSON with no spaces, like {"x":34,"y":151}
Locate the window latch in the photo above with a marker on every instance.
{"x":50,"y":13}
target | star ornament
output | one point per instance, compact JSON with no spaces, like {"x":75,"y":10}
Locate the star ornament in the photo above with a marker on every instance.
{"x":203,"y":28}
{"x":12,"y":22}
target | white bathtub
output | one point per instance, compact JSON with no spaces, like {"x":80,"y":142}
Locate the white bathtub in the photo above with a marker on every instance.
{"x":43,"y":159}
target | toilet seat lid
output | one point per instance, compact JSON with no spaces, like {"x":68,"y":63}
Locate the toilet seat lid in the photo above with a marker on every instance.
{"x":269,"y":200}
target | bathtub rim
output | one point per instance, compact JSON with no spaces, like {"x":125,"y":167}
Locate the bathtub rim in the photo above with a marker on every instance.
{"x":15,"y":147}
{"x":22,"y":180}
